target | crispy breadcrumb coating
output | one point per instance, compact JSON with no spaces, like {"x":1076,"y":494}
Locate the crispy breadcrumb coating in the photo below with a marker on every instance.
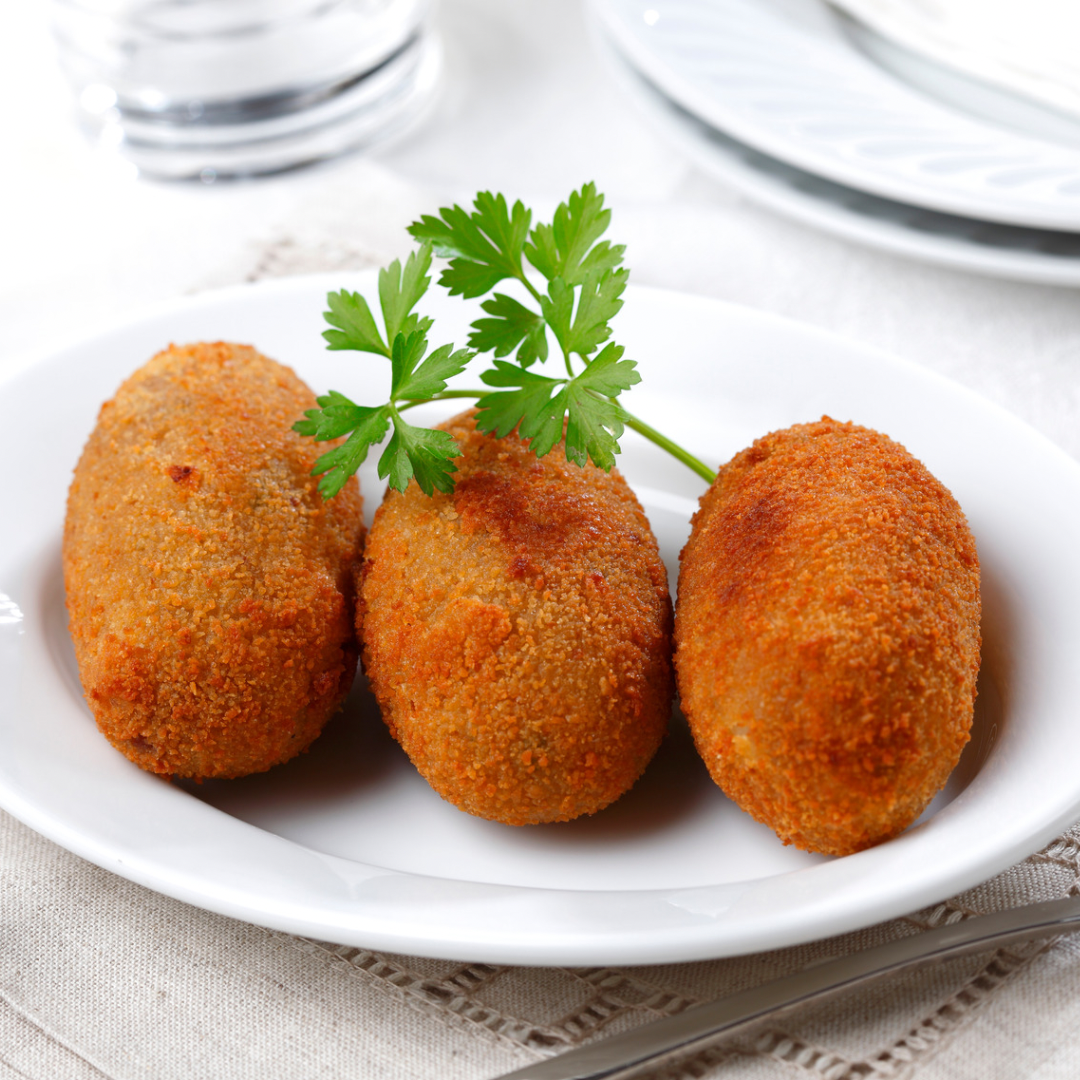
{"x":517,"y":633}
{"x":827,"y":634}
{"x":209,"y":588}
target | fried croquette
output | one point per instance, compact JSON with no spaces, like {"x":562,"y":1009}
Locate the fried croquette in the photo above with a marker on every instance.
{"x":517,"y":633}
{"x":827,"y":634}
{"x":209,"y":588}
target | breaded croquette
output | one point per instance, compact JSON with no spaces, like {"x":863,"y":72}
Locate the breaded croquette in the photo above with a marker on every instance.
{"x":827,"y":634}
{"x":517,"y":633}
{"x":209,"y":587}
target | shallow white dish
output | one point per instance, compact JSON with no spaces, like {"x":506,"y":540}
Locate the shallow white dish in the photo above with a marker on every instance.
{"x":348,"y":844}
{"x":980,"y":247}
{"x":787,"y":78}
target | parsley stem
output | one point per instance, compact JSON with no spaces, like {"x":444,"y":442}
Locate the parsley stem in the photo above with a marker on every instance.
{"x":633,"y":422}
{"x":529,"y":285}
{"x":446,"y":395}
{"x":674,"y":449}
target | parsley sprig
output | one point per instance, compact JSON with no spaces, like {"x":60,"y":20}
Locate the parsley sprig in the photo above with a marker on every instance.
{"x":484,"y":247}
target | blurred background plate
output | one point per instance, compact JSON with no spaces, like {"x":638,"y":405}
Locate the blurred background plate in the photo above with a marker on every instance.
{"x":790,"y":79}
{"x":982,"y":247}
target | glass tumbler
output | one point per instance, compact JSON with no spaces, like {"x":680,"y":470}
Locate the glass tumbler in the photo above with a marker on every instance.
{"x":202,"y":89}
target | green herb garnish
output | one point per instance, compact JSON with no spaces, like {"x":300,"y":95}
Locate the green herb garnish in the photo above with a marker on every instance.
{"x":490,"y":245}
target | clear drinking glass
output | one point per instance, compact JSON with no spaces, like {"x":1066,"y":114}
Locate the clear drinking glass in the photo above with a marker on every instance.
{"x":209,"y":88}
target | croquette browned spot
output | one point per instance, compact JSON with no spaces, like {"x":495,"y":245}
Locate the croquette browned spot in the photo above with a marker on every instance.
{"x":209,"y":587}
{"x":517,"y":633}
{"x":827,"y":634}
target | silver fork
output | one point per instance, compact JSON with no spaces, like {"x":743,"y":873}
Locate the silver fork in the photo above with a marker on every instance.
{"x":663,"y":1041}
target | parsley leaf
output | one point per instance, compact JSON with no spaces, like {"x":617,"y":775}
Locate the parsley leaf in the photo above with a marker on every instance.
{"x":430,"y":377}
{"x":508,"y":229}
{"x":598,"y":304}
{"x":407,"y":352}
{"x":583,"y":330}
{"x":594,"y":423}
{"x":356,"y":329}
{"x":608,"y":373}
{"x":400,"y":289}
{"x":486,"y":246}
{"x":605,"y":256}
{"x":528,"y":405}
{"x":562,"y":249}
{"x":512,"y":324}
{"x":594,"y":426}
{"x":411,"y":451}
{"x":371,"y":425}
{"x":421,"y":453}
{"x":483,"y":247}
{"x":558,"y":309}
{"x":336,"y":416}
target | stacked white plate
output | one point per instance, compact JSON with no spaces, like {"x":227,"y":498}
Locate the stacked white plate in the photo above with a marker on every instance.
{"x":825,"y":119}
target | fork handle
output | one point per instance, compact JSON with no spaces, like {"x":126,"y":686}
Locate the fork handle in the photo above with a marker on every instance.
{"x":662,"y":1041}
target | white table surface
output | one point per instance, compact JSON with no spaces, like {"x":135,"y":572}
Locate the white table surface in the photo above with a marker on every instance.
{"x":526,"y":110}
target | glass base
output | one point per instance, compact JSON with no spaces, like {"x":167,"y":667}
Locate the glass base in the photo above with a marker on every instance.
{"x":271,"y":134}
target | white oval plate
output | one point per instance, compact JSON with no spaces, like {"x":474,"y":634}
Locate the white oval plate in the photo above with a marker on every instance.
{"x":784,"y":77}
{"x":979,"y":247}
{"x":347,"y":844}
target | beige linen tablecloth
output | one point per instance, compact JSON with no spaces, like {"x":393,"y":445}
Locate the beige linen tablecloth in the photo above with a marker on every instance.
{"x":101,"y":978}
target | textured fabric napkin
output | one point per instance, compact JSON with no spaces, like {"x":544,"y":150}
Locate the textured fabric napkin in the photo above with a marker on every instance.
{"x":101,"y":978}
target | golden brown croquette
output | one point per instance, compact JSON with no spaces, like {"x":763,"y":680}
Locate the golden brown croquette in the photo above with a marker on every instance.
{"x":209,"y":588}
{"x":517,"y":633}
{"x":827,"y":634}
